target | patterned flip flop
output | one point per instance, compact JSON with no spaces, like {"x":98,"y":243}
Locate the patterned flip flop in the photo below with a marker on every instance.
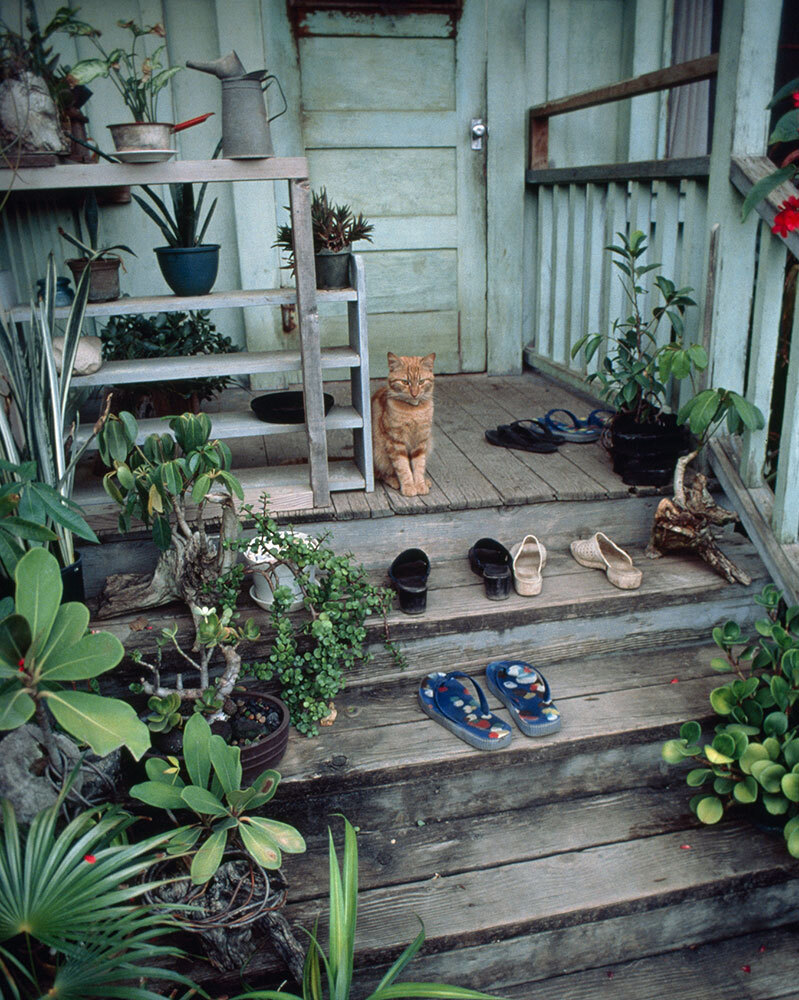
{"x":576,"y":430}
{"x":450,"y":703}
{"x":525,"y":693}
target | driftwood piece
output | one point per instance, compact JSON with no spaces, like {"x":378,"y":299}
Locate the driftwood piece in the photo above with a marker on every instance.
{"x":687,"y":522}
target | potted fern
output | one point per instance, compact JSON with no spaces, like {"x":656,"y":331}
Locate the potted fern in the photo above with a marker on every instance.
{"x":335,"y":229}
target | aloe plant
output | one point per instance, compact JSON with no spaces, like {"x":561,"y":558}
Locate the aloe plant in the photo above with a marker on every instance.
{"x":46,"y":414}
{"x":72,"y":921}
{"x":338,"y":962}
{"x":45,"y":647}
{"x":224,"y":809}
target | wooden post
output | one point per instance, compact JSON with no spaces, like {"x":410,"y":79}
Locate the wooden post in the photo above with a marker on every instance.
{"x":747,"y":56}
{"x":310,"y":348}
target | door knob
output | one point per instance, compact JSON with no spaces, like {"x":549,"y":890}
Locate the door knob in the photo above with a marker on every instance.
{"x":479,"y":130}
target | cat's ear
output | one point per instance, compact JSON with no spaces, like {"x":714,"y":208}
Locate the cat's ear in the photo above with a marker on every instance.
{"x":428,"y":361}
{"x":393,"y":362}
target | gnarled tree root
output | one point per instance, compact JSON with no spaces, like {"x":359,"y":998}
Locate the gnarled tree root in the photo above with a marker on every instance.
{"x":686,"y":522}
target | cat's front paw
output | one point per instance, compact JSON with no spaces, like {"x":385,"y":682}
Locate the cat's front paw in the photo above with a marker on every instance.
{"x":409,"y":489}
{"x":423,"y":487}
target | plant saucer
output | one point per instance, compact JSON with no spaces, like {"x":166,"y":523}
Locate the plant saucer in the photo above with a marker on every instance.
{"x":267,"y":605}
{"x":144,"y":155}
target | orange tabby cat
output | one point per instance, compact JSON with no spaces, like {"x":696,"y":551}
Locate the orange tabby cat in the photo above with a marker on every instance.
{"x":402,"y":424}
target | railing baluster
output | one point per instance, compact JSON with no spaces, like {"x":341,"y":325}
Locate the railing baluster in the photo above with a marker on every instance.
{"x":593,"y":253}
{"x":574,"y":315}
{"x":665,"y":243}
{"x":543,"y":273}
{"x":614,"y":304}
{"x":560,"y":274}
{"x":785,"y":520}
{"x":763,"y":348}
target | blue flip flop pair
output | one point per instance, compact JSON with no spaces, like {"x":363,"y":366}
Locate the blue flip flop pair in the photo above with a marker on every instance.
{"x":520,"y":687}
{"x":578,"y":430}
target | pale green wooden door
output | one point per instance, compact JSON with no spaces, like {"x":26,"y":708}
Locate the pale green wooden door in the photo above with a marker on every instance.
{"x":386,"y":107}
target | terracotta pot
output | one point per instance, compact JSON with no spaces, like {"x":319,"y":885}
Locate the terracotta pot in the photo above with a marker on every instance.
{"x":104,"y":281}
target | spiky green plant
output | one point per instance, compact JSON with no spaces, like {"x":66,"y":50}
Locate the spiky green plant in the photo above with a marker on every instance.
{"x":338,"y":961}
{"x":72,"y":922}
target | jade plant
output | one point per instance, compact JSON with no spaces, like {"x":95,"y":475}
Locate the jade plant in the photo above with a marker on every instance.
{"x":753,"y":756}
{"x":212,"y":790}
{"x":45,"y":648}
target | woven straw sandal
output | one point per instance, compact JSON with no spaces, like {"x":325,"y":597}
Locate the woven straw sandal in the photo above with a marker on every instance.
{"x":529,"y":559}
{"x":599,"y":552}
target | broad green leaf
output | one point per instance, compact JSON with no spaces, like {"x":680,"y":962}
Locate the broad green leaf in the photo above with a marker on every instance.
{"x":161,"y":770}
{"x":786,"y":128}
{"x":91,"y":656}
{"x":38,"y":593}
{"x":715,"y":757}
{"x":208,"y":858}
{"x":202,"y":801}
{"x":754,"y":752}
{"x":789,"y":785}
{"x":769,"y":775}
{"x":691,"y":732}
{"x":162,"y":532}
{"x":709,"y":809}
{"x":723,"y":786}
{"x":773,"y":747}
{"x":260,"y":846}
{"x":777,"y":805}
{"x":286,"y":837}
{"x":673,"y":751}
{"x":724,"y":743}
{"x":791,"y":753}
{"x":15,"y":640}
{"x":70,"y":625}
{"x":16,"y":707}
{"x":720,"y":664}
{"x":184,"y":839}
{"x":745,"y":791}
{"x":103,"y":723}
{"x":226,"y":761}
{"x":698,"y":776}
{"x":775,"y":723}
{"x":196,"y":750}
{"x":158,"y":794}
{"x":792,"y":841}
{"x":764,"y":187}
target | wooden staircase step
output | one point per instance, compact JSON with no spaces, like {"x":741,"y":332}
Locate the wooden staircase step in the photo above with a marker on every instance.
{"x":761,"y":966}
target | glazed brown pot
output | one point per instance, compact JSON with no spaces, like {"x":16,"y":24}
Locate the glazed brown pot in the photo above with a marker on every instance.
{"x":104,"y":281}
{"x":267,"y":751}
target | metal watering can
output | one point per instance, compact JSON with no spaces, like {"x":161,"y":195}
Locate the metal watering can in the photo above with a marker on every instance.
{"x":245,"y":126}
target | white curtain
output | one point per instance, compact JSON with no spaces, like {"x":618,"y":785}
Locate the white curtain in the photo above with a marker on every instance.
{"x":687,"y":127}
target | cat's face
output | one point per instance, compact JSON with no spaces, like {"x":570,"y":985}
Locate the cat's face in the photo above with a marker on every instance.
{"x":410,"y":379}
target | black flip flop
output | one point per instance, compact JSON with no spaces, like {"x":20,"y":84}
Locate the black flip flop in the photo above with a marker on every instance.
{"x":536,"y":430}
{"x":506,"y":437}
{"x":409,"y":573}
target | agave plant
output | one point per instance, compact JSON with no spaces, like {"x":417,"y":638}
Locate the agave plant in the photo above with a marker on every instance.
{"x":339,"y":960}
{"x":46,"y":415}
{"x":72,"y":923}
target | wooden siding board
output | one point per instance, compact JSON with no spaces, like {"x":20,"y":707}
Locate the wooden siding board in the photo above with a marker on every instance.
{"x":404,"y":74}
{"x":404,"y":333}
{"x":383,"y":25}
{"x":418,"y":232}
{"x":373,"y":129}
{"x":412,"y":280}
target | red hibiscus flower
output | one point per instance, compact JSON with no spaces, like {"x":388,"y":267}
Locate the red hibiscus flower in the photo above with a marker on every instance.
{"x":795,"y":96}
{"x":787,"y":219}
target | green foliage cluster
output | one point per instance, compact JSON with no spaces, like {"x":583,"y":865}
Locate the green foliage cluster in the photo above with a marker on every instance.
{"x":138,"y":77}
{"x":20,"y":53}
{"x":151,"y":480}
{"x":334,"y":228}
{"x":213,"y":792}
{"x":754,"y":754}
{"x":312,"y":651}
{"x":168,"y":335}
{"x":73,"y":924}
{"x":45,"y":647}
{"x":182,"y":226}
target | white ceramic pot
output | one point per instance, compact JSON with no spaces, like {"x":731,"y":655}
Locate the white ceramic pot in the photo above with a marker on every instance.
{"x":269,"y":574}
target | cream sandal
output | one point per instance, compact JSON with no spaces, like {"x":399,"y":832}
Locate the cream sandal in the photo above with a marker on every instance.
{"x":529,"y":558}
{"x":599,"y":552}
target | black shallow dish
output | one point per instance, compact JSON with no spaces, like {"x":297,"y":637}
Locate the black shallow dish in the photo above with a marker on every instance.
{"x":284,"y":407}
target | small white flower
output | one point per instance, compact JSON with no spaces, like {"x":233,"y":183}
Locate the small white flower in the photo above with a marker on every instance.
{"x":205,"y":612}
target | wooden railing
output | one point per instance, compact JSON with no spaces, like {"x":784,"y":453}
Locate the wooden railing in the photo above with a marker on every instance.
{"x":577,"y":212}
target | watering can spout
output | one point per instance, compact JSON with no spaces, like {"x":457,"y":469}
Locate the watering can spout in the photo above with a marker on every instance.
{"x":225,"y":67}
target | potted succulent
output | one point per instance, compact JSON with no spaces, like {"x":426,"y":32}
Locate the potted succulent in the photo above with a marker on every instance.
{"x":188,"y":265}
{"x":165,"y":335}
{"x":138,"y":77}
{"x":37,"y":426}
{"x":645,"y":439}
{"x":103,"y":266}
{"x":335,"y":229}
{"x":752,"y":759}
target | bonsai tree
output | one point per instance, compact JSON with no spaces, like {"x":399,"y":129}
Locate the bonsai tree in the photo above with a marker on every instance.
{"x":45,"y":646}
{"x":752,"y":760}
{"x":334,"y":228}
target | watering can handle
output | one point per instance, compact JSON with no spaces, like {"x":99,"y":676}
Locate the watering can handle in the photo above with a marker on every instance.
{"x":264,"y":84}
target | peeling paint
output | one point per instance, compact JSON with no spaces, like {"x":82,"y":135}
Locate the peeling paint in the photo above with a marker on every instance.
{"x":298,"y":10}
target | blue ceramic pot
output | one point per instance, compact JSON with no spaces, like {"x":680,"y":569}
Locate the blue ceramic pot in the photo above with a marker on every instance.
{"x":189,"y":270}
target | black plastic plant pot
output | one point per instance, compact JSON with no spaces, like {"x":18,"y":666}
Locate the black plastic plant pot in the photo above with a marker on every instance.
{"x":332,"y":268}
{"x":189,"y":270}
{"x":645,"y":454}
{"x":72,"y":580}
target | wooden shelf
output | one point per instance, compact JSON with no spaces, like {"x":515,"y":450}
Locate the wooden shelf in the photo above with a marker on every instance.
{"x":185,"y":303}
{"x":242,"y":423}
{"x":210,"y":366}
{"x":94,"y":175}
